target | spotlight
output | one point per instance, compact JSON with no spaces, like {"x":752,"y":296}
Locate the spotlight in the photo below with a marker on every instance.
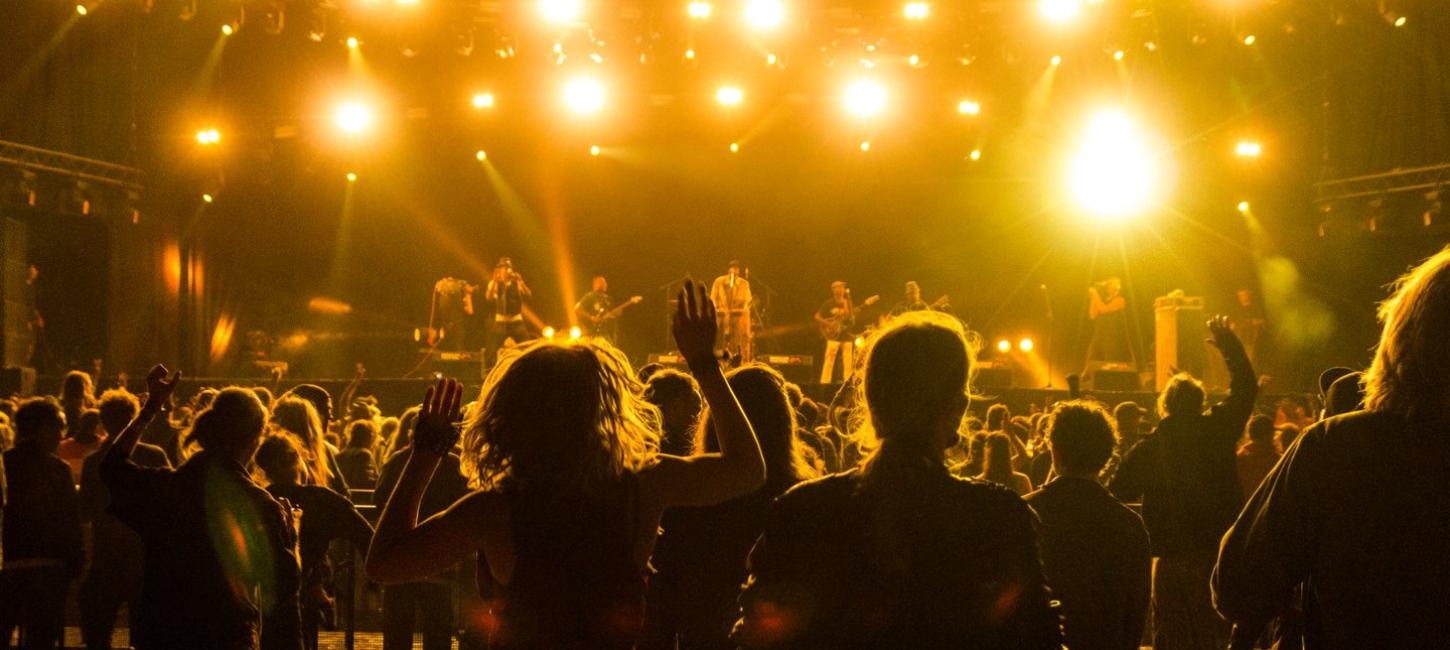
{"x":699,"y":10}
{"x":352,"y":42}
{"x":575,"y":333}
{"x":730,"y":95}
{"x":560,"y":11}
{"x":1056,"y":60}
{"x":764,"y":14}
{"x":227,"y":30}
{"x":1114,"y":172}
{"x":1248,"y":149}
{"x":860,"y":342}
{"x":480,"y":155}
{"x":81,"y":9}
{"x":351,"y":177}
{"x":584,"y":95}
{"x":206,"y":198}
{"x":1243,"y":207}
{"x":1059,"y":11}
{"x":914,"y":60}
{"x":1400,"y":22}
{"x":771,"y":59}
{"x":690,"y":54}
{"x":916,"y":10}
{"x":1004,"y":346}
{"x":548,"y":332}
{"x":1118,"y":55}
{"x":969,"y":107}
{"x":483,"y":100}
{"x":354,"y":117}
{"x":208,"y":136}
{"x":1025,"y":345}
{"x":864,"y":98}
{"x":975,"y":155}
{"x":734,"y":147}
{"x":1250,"y":39}
{"x":595,"y":150}
{"x":865,"y":145}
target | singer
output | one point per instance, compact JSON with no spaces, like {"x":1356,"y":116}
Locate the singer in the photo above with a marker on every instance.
{"x":732,"y":298}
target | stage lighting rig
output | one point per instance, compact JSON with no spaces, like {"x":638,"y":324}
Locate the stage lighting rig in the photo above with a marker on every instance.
{"x":584,"y":95}
{"x":864,"y":98}
{"x":1115,"y":173}
{"x":353,"y":117}
{"x":764,"y":14}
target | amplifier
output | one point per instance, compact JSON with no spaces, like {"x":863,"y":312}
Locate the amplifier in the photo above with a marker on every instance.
{"x":458,"y":364}
{"x":993,"y":380}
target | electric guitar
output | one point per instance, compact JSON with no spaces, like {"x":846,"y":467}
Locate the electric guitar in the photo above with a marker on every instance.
{"x":838,"y":323}
{"x":596,"y":322}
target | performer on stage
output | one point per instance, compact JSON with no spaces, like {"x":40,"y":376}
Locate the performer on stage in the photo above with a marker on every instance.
{"x":592,"y":308}
{"x":507,"y":291}
{"x":837,"y":319}
{"x":1248,"y":322}
{"x":913,"y":302}
{"x":451,"y":313}
{"x":732,"y":298}
{"x":1108,"y":310}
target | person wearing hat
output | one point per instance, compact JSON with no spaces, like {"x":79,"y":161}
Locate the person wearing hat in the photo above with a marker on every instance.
{"x":507,"y":291}
{"x":732,"y":298}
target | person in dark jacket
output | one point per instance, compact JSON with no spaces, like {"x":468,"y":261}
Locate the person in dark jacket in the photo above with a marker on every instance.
{"x":326,"y":516}
{"x":114,"y":576}
{"x":221,"y":568}
{"x":1186,"y":474}
{"x":699,"y":559}
{"x":359,"y":468}
{"x":42,"y":528}
{"x":898,"y":553}
{"x":1356,"y":512}
{"x":1094,"y":549}
{"x":431,"y":600}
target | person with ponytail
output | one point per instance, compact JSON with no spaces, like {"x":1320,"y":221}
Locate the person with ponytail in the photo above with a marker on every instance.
{"x":898,"y":553}
{"x":221,"y":567}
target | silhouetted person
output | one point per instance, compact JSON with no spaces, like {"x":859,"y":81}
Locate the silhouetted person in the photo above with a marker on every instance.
{"x":321,"y":401}
{"x":677,"y":397}
{"x":699,"y":559}
{"x":41,"y":527}
{"x":298,"y":417}
{"x":77,"y":395}
{"x":572,"y":490}
{"x":220,"y":568}
{"x":898,"y":553}
{"x":1256,"y":458}
{"x":326,"y":516}
{"x":428,"y":601}
{"x":1357,"y":511}
{"x":114,"y":576}
{"x":359,"y":468}
{"x":1186,"y":474}
{"x":1094,"y":549}
{"x":998,"y":465}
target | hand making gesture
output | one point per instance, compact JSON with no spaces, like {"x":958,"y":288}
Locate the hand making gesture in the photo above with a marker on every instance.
{"x":160,"y":384}
{"x":436,"y":429}
{"x":694,"y":325}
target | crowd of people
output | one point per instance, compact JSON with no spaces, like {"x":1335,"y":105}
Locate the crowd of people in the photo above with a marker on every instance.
{"x":603,"y":506}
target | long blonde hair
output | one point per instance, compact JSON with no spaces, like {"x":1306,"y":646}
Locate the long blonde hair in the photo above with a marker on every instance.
{"x":1410,"y":374}
{"x":298,"y":417}
{"x":560,"y":414}
{"x":912,"y":370}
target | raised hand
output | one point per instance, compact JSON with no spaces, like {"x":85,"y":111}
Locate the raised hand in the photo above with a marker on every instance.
{"x":1222,"y":335}
{"x":159,"y":387}
{"x":694,"y":327}
{"x":435,"y":430}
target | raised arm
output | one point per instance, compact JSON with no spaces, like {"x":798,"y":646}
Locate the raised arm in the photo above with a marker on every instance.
{"x":739,"y":467}
{"x":158,"y":391}
{"x":1243,"y":385}
{"x":402,"y":549}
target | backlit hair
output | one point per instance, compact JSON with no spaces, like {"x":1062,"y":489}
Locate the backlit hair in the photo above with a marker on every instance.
{"x":1082,"y":435}
{"x":560,"y":414}
{"x":760,"y":390}
{"x":232,"y":421}
{"x":1410,"y":374}
{"x":297,"y":416}
{"x":1182,"y":396}
{"x":913,"y":370}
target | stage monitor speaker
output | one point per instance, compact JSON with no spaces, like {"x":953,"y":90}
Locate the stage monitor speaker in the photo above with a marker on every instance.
{"x":1115,"y":381}
{"x":796,"y":368}
{"x":461,"y":365}
{"x":993,"y":380}
{"x":1178,"y":337}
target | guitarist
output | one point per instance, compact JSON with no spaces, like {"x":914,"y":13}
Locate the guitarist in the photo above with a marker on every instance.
{"x":913,"y":302}
{"x":836,"y":319}
{"x":597,"y":312}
